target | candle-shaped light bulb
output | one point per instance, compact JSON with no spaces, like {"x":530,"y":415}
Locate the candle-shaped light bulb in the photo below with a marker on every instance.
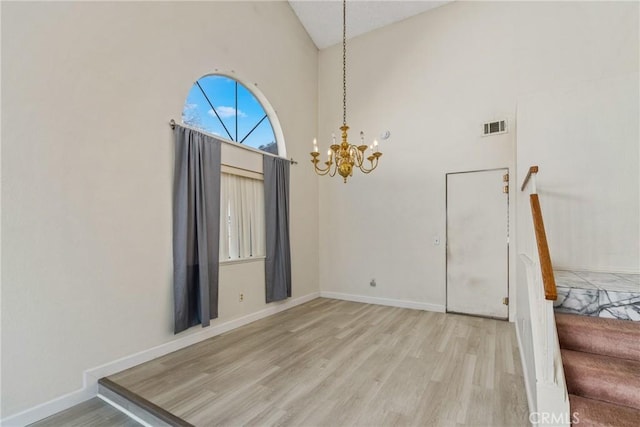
{"x":315,"y":148}
{"x":315,"y":141}
{"x":375,"y":144}
{"x":333,"y":137}
{"x":362,"y":138}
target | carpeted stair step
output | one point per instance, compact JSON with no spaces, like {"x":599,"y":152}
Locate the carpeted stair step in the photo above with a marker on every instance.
{"x":610,"y":337}
{"x":609,"y":379}
{"x":595,"y":413}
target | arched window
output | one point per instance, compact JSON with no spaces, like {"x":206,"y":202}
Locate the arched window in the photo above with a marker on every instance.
{"x":224,"y":107}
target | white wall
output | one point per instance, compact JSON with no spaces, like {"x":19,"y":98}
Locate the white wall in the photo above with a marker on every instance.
{"x":87,"y":166}
{"x":583,"y":134}
{"x":432,"y":80}
{"x":88,"y":89}
{"x":586,"y":141}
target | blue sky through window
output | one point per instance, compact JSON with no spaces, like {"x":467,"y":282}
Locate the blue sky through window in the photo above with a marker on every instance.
{"x":221,"y":92}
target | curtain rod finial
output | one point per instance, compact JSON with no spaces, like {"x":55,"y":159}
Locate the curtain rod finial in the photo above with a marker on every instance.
{"x":172,"y":123}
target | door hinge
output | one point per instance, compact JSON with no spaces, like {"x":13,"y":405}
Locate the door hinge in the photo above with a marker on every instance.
{"x":505,"y":300}
{"x":505,"y":189}
{"x":505,"y":177}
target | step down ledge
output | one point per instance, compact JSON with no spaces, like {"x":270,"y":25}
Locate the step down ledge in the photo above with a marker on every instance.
{"x":147,"y":411}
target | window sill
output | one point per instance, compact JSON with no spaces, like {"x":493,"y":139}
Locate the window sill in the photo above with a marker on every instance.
{"x":241,"y":260}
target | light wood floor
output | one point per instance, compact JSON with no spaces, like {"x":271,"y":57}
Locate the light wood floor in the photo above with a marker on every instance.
{"x":338,"y":363}
{"x":94,"y":412}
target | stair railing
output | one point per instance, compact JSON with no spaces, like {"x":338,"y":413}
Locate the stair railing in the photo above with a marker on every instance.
{"x":551,"y":391}
{"x":548,"y":280}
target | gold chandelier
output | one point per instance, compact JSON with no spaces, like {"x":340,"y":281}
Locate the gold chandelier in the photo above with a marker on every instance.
{"x":343,"y":157}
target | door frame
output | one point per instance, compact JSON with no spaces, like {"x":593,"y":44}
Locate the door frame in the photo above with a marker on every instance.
{"x":446,"y":242}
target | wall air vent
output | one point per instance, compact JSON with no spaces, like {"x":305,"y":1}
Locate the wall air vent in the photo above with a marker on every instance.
{"x":494,"y":128}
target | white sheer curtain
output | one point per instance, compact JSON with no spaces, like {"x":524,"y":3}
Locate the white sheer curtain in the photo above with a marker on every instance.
{"x":242,"y":233}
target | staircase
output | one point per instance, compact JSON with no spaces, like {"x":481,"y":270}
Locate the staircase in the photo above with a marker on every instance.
{"x":583,"y":361}
{"x":601,"y":359}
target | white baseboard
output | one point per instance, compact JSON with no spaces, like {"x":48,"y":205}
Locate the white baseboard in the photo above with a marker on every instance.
{"x":525,"y":372}
{"x":49,"y":408}
{"x":384,"y":301}
{"x":91,"y":376}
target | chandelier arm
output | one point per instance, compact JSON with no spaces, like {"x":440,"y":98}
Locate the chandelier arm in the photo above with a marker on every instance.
{"x":374,"y":164}
{"x":321,"y":171}
{"x":328,"y":170}
{"x":367,"y":171}
{"x":354,"y":153}
{"x":359,"y":160}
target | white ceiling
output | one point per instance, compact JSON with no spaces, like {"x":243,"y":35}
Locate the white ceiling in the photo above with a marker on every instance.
{"x":323,"y":18}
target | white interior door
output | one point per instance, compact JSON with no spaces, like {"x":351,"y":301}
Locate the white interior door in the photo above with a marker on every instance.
{"x":477,"y":243}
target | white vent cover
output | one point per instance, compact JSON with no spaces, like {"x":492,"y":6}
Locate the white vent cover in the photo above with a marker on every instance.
{"x":494,"y":128}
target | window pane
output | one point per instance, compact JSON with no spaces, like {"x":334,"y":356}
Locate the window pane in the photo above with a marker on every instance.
{"x":263,"y":138}
{"x":253,"y":126}
{"x":196,"y":113}
{"x":221,"y":91}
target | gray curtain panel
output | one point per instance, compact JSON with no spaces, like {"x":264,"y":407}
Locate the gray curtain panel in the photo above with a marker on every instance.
{"x":196,"y":228}
{"x":278,"y":250}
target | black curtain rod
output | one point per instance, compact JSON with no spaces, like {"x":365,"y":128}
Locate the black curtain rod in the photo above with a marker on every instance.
{"x":173,"y":124}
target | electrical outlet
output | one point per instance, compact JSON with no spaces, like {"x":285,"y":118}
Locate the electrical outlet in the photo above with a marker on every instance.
{"x":373,"y":283}
{"x":241,"y":297}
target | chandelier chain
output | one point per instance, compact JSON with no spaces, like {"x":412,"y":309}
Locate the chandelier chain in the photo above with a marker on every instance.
{"x":344,"y":62}
{"x":343,"y":158}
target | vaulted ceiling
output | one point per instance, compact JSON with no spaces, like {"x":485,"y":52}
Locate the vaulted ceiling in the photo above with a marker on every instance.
{"x":323,"y":19}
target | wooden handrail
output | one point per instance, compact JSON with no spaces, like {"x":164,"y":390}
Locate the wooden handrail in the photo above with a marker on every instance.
{"x":532,"y":170}
{"x":548,"y":280}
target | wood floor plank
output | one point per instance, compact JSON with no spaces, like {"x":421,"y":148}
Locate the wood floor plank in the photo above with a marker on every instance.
{"x":331,"y":362}
{"x":94,"y":412}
